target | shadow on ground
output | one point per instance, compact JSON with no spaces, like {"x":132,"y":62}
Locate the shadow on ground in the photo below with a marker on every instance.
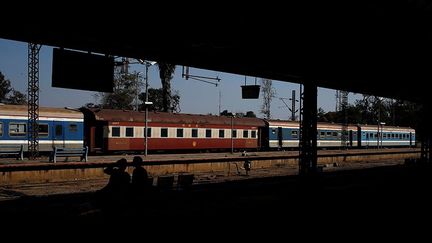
{"x":396,"y":195}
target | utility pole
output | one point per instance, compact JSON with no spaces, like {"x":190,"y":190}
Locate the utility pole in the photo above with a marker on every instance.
{"x":146,"y":104}
{"x":33,"y":100}
{"x":232,"y":131}
{"x":293,"y":104}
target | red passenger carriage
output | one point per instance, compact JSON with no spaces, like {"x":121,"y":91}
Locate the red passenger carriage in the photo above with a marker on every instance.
{"x":109,"y":130}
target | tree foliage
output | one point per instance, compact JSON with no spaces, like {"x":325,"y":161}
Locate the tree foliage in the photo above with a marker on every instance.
{"x":155,"y":96}
{"x":166,"y":73}
{"x":373,"y":109}
{"x":237,"y":114}
{"x":9,"y":95}
{"x":122,"y":97}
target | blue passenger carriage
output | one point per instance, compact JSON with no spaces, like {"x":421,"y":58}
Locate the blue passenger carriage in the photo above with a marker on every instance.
{"x":286,"y":134}
{"x":57,"y":127}
{"x":386,"y":136}
{"x":330,"y":135}
{"x":281,"y":134}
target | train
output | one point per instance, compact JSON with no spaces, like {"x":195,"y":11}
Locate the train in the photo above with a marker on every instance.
{"x":107,"y":131}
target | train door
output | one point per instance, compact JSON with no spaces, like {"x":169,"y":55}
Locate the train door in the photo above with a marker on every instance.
{"x":359,"y":137}
{"x":367,"y":140}
{"x":59,"y":136}
{"x":98,"y":137}
{"x":280,"y":137}
{"x":350,"y":138}
{"x":410,"y":144}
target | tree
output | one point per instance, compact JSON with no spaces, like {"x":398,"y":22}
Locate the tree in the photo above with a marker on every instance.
{"x":166,"y":72}
{"x":123,"y":92}
{"x":5,"y":88}
{"x":268,"y":94}
{"x":17,"y":98}
{"x":250,"y":114}
{"x":8,"y":94}
{"x":321,"y":115}
{"x":155,"y":96}
{"x":226,"y":113}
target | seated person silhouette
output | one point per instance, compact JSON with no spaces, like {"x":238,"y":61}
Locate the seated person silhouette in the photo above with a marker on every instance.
{"x":140,"y":179}
{"x":119,"y":180}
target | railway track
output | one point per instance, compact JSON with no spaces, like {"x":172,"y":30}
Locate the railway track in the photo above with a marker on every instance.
{"x":9,"y":192}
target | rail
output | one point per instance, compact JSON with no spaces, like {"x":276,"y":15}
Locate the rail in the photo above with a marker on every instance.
{"x":77,"y":165}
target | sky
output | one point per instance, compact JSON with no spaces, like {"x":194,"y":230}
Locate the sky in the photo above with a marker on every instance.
{"x":195,"y":97}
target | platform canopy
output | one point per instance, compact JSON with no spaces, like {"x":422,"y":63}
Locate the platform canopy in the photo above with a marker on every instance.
{"x":376,"y":47}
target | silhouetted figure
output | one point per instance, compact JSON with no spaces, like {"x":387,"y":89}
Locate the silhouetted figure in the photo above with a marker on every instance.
{"x":113,"y":198}
{"x":119,"y":180}
{"x":247,"y":165}
{"x":140,"y":179}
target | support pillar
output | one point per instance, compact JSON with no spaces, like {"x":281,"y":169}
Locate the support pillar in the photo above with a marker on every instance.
{"x":308,"y":131}
{"x":426,"y":134}
{"x":33,"y":100}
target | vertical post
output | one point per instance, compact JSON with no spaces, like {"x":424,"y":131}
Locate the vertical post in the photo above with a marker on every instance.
{"x":293,"y":105}
{"x":33,"y":100}
{"x":378,"y":135}
{"x":232,"y":137}
{"x":308,"y":153}
{"x":146,"y":109}
{"x":220,"y":97}
{"x":136,"y":91}
{"x":382,"y":132}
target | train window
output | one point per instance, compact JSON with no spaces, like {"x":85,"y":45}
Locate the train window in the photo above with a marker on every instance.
{"x":322,"y":134}
{"x":129,"y":132}
{"x":294,"y":134}
{"x":115,"y":131}
{"x":179,"y":132}
{"x":17,"y":129}
{"x":1,"y":129}
{"x":208,"y":133}
{"x":367,"y":135}
{"x":273,"y":130}
{"x":245,"y":134}
{"x":194,"y":132}
{"x":253,"y":135}
{"x":164,"y":132}
{"x":335,"y":134}
{"x":149,"y":132}
{"x":234,"y":133}
{"x":328,"y":134}
{"x":73,"y":128}
{"x":221,"y":133}
{"x":43,"y":130}
{"x":392,"y":135}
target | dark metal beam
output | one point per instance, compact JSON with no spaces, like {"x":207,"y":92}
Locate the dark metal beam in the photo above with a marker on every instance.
{"x":308,"y":143}
{"x":33,"y":100}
